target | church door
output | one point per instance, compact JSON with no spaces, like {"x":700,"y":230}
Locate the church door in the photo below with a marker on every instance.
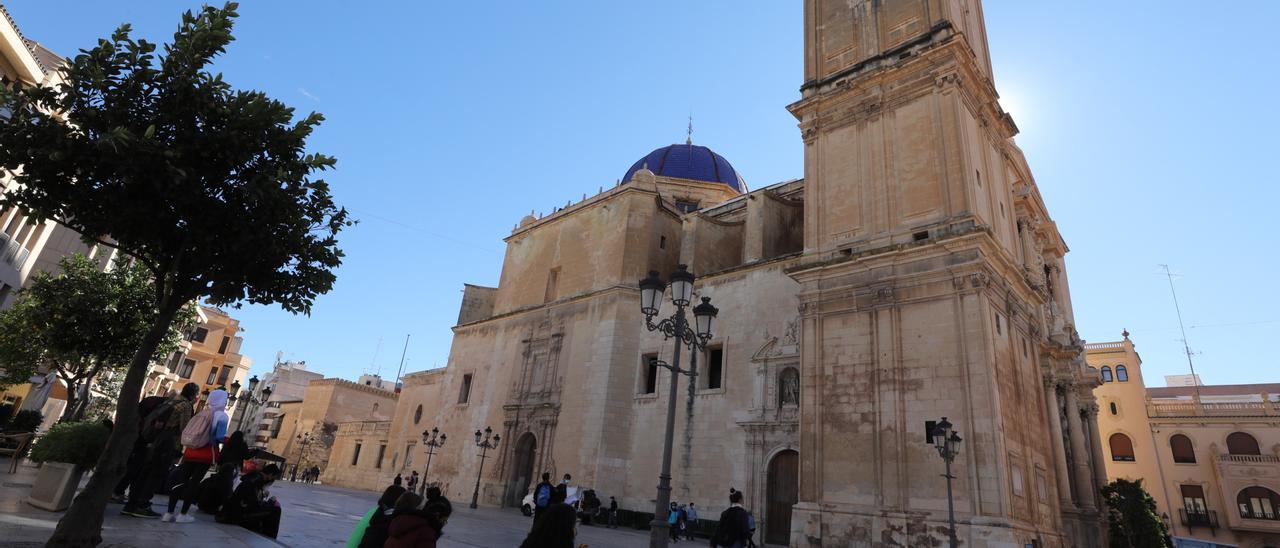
{"x":522,"y":470}
{"x":784,"y":480}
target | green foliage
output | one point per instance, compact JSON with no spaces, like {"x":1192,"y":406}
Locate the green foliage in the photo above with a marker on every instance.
{"x":1132,"y":515}
{"x":78,"y":443}
{"x":211,"y":188}
{"x":27,"y":420}
{"x":82,"y":321}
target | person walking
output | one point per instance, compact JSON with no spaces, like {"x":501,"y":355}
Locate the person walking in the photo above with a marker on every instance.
{"x":252,"y":506}
{"x":201,"y":438}
{"x":555,"y":527}
{"x":413,"y":482}
{"x":691,"y":520}
{"x":138,"y":456}
{"x":398,"y":481}
{"x":315,"y":473}
{"x":734,"y":529}
{"x":613,"y":513}
{"x":542,"y":495}
{"x":673,"y":522}
{"x":162,"y":429}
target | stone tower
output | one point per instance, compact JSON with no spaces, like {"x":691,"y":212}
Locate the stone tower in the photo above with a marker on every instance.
{"x":932,"y":285}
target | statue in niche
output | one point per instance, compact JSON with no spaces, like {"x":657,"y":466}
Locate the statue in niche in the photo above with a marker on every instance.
{"x":789,"y":387}
{"x":792,"y":334}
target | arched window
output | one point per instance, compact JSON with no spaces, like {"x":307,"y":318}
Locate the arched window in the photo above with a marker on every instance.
{"x":1240,"y":443}
{"x":1121,"y":448}
{"x":1183,"y":452}
{"x":417,"y":414}
{"x":1122,"y":374}
{"x":1258,"y":503}
{"x":788,"y":387}
{"x":1114,"y":410}
{"x":1106,"y":373}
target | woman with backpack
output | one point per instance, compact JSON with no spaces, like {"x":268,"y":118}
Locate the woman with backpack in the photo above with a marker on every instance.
{"x":200,"y":440}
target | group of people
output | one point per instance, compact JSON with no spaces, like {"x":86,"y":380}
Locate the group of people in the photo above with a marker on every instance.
{"x":403,"y":519}
{"x":176,"y":448}
{"x":309,"y":475}
{"x":681,"y":520}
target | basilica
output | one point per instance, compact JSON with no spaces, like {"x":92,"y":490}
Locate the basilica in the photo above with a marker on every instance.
{"x":912,"y":273}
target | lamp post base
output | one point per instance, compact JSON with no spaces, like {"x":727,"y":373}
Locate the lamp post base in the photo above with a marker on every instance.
{"x":659,"y":533}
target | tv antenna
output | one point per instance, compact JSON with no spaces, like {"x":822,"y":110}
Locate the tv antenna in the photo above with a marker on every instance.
{"x":373,"y":364}
{"x":1186,"y":346}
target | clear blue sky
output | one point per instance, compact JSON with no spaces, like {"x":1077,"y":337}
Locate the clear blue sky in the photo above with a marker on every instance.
{"x":1150,"y":127}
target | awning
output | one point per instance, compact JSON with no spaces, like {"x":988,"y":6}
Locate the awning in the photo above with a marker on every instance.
{"x":263,"y":454}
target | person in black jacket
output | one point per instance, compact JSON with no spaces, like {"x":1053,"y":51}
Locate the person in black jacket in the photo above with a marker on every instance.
{"x":734,"y":530}
{"x":376,"y":534}
{"x":249,"y":506}
{"x":555,"y":527}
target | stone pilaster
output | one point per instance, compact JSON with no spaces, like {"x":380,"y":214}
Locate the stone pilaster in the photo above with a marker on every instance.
{"x":1084,"y":474}
{"x":1059,"y":452}
{"x":1099,"y":460}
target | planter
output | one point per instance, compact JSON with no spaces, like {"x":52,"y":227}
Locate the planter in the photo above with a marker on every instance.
{"x":55,"y":486}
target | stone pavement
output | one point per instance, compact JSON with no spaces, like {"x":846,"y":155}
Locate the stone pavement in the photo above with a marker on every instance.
{"x":314,"y":515}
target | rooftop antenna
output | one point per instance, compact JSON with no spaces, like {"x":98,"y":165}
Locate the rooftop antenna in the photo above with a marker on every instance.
{"x":1186,"y":347}
{"x":373,"y":364}
{"x":688,"y":140}
{"x":402,"y":354}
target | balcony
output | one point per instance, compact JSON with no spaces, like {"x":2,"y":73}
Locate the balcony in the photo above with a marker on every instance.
{"x":12,"y":252}
{"x":1203,"y":518}
{"x":1183,"y":408}
{"x":1239,"y":472}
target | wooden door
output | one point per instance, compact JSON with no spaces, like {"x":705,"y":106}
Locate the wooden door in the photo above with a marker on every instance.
{"x":782,"y":494}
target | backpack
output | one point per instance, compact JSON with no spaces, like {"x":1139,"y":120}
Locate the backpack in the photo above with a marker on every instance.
{"x":196,"y":434}
{"x":154,"y":415}
{"x":543,"y":497}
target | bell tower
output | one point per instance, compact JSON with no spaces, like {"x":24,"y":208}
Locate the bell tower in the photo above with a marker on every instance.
{"x":932,"y":286}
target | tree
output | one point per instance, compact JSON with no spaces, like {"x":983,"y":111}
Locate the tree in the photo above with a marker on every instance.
{"x":80,"y":323}
{"x":211,"y":189}
{"x":1132,"y":515}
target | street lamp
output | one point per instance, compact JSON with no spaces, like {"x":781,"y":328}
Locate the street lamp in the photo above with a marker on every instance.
{"x":249,"y":398}
{"x":303,"y":441}
{"x":490,"y":441}
{"x":676,"y":327}
{"x":433,"y":440}
{"x":947,"y":442}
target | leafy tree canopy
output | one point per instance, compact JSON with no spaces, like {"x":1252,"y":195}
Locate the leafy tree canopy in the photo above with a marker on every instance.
{"x":1132,"y":517}
{"x":81,"y":322}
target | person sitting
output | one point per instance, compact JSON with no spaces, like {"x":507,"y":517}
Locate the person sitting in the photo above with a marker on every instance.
{"x":375,"y":534}
{"x":414,"y":528}
{"x":251,"y":506}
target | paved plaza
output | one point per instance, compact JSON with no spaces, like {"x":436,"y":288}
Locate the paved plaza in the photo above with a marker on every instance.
{"x":314,"y":515}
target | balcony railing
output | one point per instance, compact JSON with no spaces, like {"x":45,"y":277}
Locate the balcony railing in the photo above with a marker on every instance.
{"x":1202,"y":518}
{"x":1103,"y":346}
{"x":1251,"y":513}
{"x":1251,"y":459}
{"x":12,"y":252}
{"x":1157,"y":408}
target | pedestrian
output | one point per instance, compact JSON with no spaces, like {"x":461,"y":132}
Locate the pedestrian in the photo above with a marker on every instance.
{"x":413,"y":482}
{"x":315,"y":473}
{"x":734,"y":529}
{"x":379,"y":519}
{"x":252,"y":506}
{"x":673,"y":522}
{"x":162,"y":430}
{"x":555,"y":527}
{"x":138,"y":456}
{"x":435,"y":496}
{"x":691,"y":520}
{"x":542,"y":495}
{"x":398,"y":482}
{"x":414,"y":528}
{"x":564,"y":488}
{"x":613,"y":513}
{"x":201,"y":438}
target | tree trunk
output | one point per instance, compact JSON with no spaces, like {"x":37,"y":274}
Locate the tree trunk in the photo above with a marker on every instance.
{"x":82,"y":524}
{"x":69,"y":412}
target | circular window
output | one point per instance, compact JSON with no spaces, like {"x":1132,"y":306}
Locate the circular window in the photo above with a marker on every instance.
{"x":417,"y":415}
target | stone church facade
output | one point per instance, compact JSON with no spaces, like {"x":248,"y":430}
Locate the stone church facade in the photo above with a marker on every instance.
{"x":913,"y":273}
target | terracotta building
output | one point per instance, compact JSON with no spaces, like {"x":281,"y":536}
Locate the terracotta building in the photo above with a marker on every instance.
{"x":914,"y":273}
{"x":210,"y":356}
{"x":303,"y":431}
{"x":1209,"y":455}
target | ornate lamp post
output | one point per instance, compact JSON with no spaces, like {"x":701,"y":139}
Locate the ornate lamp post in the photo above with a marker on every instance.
{"x":303,"y":441}
{"x":489,"y":441}
{"x":676,"y":327}
{"x":432,"y":440}
{"x":947,"y":442}
{"x":250,"y":400}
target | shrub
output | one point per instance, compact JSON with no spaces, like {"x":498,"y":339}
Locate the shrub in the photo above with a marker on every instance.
{"x":27,"y":420}
{"x":78,"y":443}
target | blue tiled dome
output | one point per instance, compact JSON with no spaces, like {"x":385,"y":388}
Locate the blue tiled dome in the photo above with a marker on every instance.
{"x":689,"y":161}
